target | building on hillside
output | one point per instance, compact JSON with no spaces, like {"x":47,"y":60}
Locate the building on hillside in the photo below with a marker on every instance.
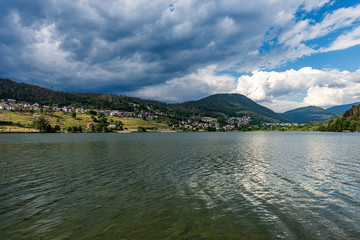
{"x":89,"y":126}
{"x":114,"y":114}
{"x":67,"y":109}
{"x":15,"y":107}
{"x":56,"y":109}
{"x":35,"y":106}
{"x":4,"y":106}
{"x":80,"y":110}
{"x":207,"y":119}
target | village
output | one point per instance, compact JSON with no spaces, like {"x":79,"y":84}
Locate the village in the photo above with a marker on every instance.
{"x":12,"y":105}
{"x":211,"y":124}
{"x":202,"y":123}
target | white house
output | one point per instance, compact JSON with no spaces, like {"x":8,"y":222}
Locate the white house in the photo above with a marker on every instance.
{"x":4,"y":107}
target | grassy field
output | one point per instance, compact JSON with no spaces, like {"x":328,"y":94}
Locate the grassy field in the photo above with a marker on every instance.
{"x":16,"y":129}
{"x":25,"y":120}
{"x":22,"y":118}
{"x":133,"y":123}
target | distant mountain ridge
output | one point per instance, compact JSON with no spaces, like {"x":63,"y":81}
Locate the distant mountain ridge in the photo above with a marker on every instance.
{"x":342,"y":108}
{"x":307,"y":114}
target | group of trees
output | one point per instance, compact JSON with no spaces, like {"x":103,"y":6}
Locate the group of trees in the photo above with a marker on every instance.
{"x":43,"y":125}
{"x":102,"y":124}
{"x":74,"y":129}
{"x":348,"y":121}
{"x":341,"y":124}
{"x":141,"y":129}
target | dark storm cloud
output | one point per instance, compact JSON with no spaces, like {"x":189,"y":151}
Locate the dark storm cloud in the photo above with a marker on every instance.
{"x":121,"y":46}
{"x":156,"y":43}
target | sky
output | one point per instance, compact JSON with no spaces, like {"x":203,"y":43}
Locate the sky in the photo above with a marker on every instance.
{"x":282,"y":54}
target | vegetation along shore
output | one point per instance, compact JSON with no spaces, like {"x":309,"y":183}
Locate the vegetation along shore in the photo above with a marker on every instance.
{"x":29,"y":108}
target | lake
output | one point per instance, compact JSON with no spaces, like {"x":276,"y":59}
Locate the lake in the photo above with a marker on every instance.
{"x":231,"y":185}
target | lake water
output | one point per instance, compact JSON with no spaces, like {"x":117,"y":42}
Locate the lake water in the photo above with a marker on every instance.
{"x":233,"y":185}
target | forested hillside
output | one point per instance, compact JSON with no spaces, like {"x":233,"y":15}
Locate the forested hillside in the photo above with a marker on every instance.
{"x":35,"y":94}
{"x":218,"y":105}
{"x":307,"y":114}
{"x":230,"y":105}
{"x":348,"y":121}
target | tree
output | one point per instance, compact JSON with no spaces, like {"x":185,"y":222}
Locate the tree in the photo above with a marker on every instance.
{"x":99,"y":114}
{"x":98,"y":127}
{"x":73,"y":115}
{"x":42,"y":124}
{"x":91,"y":112}
{"x":141,"y":129}
{"x":74,"y":129}
{"x":94,"y":119}
{"x":221,"y":120}
{"x":57,"y":128}
{"x":210,"y":129}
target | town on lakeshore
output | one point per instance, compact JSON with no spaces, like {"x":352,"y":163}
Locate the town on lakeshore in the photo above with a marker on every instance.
{"x":30,"y":108}
{"x":103,"y":120}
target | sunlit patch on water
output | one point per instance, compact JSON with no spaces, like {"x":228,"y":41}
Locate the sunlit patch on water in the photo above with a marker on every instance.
{"x":256,"y":185}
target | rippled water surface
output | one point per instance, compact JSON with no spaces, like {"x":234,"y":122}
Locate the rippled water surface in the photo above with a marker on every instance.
{"x":256,"y":185}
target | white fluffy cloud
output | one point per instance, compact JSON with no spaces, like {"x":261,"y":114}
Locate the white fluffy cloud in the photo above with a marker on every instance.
{"x":325,"y":96}
{"x":280,"y":91}
{"x":198,"y":84}
{"x":320,"y":87}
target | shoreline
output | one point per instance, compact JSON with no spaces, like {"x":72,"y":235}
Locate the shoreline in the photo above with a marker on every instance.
{"x":127,"y":132}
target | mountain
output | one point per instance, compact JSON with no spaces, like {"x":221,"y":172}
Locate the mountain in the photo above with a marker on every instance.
{"x":342,"y":108}
{"x":307,"y":114}
{"x":226,"y":105}
{"x":231,"y":105}
{"x":34,"y":94}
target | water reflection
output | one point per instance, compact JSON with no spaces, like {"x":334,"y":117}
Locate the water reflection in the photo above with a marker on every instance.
{"x":183,"y":185}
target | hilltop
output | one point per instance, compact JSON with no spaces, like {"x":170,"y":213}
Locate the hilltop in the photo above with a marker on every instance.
{"x":229,"y":105}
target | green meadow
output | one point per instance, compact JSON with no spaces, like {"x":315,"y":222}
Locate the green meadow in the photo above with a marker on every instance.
{"x":22,"y":121}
